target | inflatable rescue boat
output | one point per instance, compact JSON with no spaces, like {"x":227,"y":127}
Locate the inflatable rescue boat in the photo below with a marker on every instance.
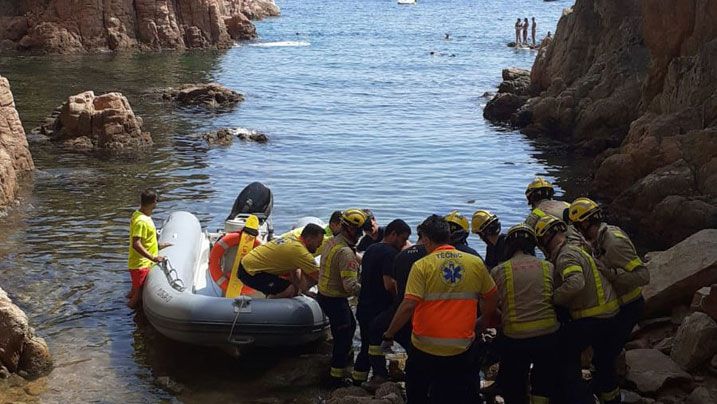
{"x":184,"y":299}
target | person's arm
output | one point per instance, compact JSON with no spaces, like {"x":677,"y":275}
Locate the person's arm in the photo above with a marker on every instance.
{"x":488,"y":299}
{"x":626,"y":267}
{"x":389,"y":283}
{"x":162,"y":246}
{"x":570,"y":270}
{"x":137,"y":245}
{"x":348,"y":266}
{"x":403,"y":314}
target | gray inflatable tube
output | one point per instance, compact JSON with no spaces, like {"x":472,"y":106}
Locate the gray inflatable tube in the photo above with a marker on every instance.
{"x":183,"y":303}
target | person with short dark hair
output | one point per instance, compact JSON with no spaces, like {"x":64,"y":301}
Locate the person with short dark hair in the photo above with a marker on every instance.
{"x":143,"y":246}
{"x":518,"y":27}
{"x":263,"y":267}
{"x":526,"y":24}
{"x":372,"y":232}
{"x":377,"y":290}
{"x":334,"y":226}
{"x":441,"y":300}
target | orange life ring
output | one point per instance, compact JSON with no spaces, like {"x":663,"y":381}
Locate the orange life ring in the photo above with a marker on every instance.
{"x":220,"y":248}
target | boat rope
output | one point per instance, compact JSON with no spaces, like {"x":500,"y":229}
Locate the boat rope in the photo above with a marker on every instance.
{"x":241,"y":305}
{"x":172,"y":276}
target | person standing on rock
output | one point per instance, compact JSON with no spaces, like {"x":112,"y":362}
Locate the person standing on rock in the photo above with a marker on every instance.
{"x":534,"y":28}
{"x":621,"y":264}
{"x":590,"y":305}
{"x":143,"y":246}
{"x":518,"y":27}
{"x":377,"y":291}
{"x":526,"y":24}
{"x":338,"y":280}
{"x":529,"y":325}
{"x":441,"y":300}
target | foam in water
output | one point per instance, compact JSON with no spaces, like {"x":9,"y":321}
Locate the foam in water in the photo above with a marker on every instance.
{"x":280,"y":44}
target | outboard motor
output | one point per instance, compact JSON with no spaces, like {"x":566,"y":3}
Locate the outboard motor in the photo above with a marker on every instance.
{"x":255,"y":199}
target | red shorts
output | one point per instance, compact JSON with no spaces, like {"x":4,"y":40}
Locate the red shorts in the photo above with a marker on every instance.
{"x":138,"y":276}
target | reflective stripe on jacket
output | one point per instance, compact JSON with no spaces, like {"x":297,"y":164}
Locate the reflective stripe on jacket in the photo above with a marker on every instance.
{"x":525,"y":288}
{"x":580,"y":286}
{"x":623,"y":267}
{"x":447,"y":285}
{"x":338,"y":272}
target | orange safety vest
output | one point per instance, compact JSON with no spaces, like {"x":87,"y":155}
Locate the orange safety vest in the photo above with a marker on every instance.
{"x":447,"y":285}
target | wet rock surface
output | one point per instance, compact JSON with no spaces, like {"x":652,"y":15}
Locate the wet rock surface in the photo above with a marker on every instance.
{"x":634,"y":89}
{"x":21,"y":350}
{"x":67,"y":26}
{"x":226,"y":136}
{"x":211,"y":96}
{"x":15,"y":158}
{"x":90,"y":123}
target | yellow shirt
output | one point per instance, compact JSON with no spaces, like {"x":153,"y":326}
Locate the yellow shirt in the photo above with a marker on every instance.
{"x":447,"y":285}
{"x":279,"y":257}
{"x":142,"y":226}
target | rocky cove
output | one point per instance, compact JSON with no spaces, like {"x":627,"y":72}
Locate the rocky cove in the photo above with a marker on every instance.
{"x":590,"y":88}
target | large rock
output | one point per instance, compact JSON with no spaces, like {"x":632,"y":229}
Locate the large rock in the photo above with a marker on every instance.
{"x":695,"y":341}
{"x":705,"y":300}
{"x":676,"y":274}
{"x":21,"y":350}
{"x":502,"y":107}
{"x":650,"y":370}
{"x":70,"y":26}
{"x":103,"y":123}
{"x":633,"y":83}
{"x":15,"y":158}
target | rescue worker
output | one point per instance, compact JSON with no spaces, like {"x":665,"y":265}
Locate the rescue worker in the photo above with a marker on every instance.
{"x":540,"y":194}
{"x":264,"y":267}
{"x":334,"y":226}
{"x":529,"y":324}
{"x":442,"y":298}
{"x":372,"y":232}
{"x":458,"y":226}
{"x":621,"y":264}
{"x":592,"y":305}
{"x":338,"y":280}
{"x":402,"y":265}
{"x":487,"y":226}
{"x":377,"y":289}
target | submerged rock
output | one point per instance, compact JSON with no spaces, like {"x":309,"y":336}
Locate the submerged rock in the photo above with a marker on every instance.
{"x":695,"y":342}
{"x":225,"y":136}
{"x":15,"y":158}
{"x":89,"y":123}
{"x":21,"y":350}
{"x":210,"y":95}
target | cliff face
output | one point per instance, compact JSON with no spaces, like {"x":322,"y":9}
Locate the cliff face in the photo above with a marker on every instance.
{"x":15,"y":156}
{"x":634,"y":83}
{"x":71,"y":26}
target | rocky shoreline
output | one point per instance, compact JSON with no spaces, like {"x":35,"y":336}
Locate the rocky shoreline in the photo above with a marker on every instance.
{"x":66,"y":26}
{"x":636,"y":92}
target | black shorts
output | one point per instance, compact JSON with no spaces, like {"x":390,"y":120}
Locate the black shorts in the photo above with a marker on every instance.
{"x":266,"y":283}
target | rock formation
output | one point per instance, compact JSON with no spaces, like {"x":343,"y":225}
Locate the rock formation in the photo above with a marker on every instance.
{"x":69,"y":26}
{"x":21,"y":351}
{"x":104,"y":123}
{"x":225,"y":136}
{"x":210,"y":95}
{"x":634,"y":83}
{"x":15,"y":157}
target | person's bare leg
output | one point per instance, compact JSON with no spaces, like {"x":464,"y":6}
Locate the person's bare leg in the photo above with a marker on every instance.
{"x":133,"y":298}
{"x":288,"y":292}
